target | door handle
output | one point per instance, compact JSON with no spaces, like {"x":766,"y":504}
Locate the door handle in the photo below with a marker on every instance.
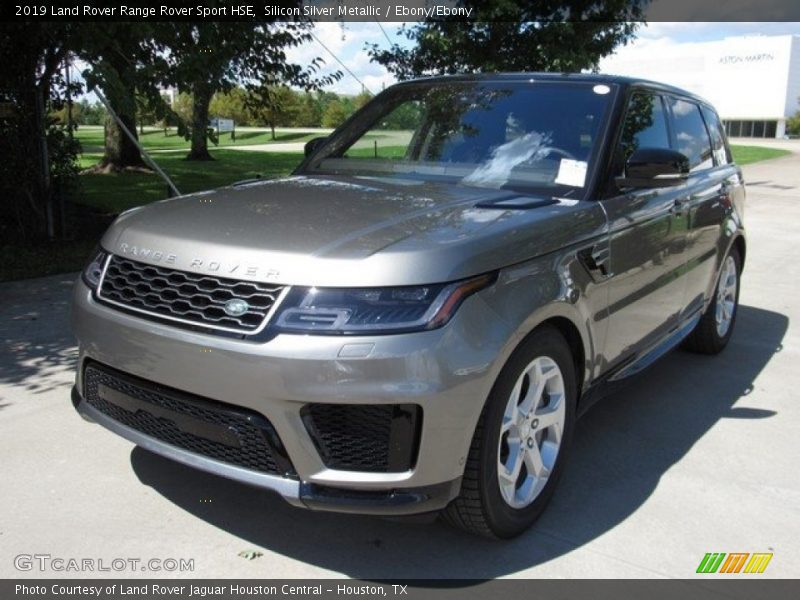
{"x":726,"y":196}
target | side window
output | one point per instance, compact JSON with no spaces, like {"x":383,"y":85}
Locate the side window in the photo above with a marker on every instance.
{"x":722,"y":154}
{"x":691,"y":135}
{"x":645,"y":125}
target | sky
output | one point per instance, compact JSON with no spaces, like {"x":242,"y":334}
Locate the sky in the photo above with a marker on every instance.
{"x":348,"y":40}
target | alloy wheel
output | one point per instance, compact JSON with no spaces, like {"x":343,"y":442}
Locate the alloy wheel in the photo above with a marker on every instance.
{"x":726,"y":297}
{"x":531,"y":432}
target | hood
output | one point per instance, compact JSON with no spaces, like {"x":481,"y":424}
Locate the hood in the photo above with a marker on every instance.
{"x":335,"y":231}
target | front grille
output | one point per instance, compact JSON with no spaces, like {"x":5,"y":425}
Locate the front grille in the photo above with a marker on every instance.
{"x":188,"y":298}
{"x":380,"y":438}
{"x":212,"y":429}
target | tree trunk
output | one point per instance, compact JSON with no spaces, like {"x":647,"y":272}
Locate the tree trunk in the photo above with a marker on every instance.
{"x":272,"y":126}
{"x":44,"y":157}
{"x":202,"y":100}
{"x":29,"y":204}
{"x":120,"y":152}
{"x":26,"y":160}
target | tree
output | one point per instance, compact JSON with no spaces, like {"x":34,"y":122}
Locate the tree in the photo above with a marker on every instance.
{"x":61,"y":116}
{"x":335,"y":114}
{"x":361,"y":99}
{"x":122,"y":61}
{"x":34,"y":155}
{"x":203,"y":58}
{"x":183,"y":106}
{"x":406,"y":116}
{"x":37,"y":154}
{"x":309,"y":112}
{"x":322,"y":100}
{"x":148,"y":111}
{"x":231,"y":105}
{"x":275,"y":105}
{"x":90,"y":114}
{"x":793,"y":123}
{"x":506,"y":35}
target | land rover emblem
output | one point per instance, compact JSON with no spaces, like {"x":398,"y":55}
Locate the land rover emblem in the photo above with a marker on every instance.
{"x":236,"y":307}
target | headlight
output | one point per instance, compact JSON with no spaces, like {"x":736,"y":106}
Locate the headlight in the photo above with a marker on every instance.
{"x":374,"y":310}
{"x":92,"y":272}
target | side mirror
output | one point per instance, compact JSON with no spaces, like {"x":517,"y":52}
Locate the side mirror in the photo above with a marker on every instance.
{"x":313,"y":144}
{"x":654,"y":167}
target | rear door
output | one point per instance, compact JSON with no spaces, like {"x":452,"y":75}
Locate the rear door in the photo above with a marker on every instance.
{"x":712,"y":186}
{"x":647,"y":240}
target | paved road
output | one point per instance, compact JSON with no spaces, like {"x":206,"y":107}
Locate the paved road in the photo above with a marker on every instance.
{"x":271,"y":147}
{"x":388,"y":138}
{"x":700,"y":456}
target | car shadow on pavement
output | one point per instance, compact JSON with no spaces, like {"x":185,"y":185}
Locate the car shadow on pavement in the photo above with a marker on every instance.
{"x":622,"y":448}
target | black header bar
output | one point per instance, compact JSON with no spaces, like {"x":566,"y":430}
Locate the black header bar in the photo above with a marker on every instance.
{"x":373,"y":10}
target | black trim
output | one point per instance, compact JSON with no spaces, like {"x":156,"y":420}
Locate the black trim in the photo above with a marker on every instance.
{"x":368,"y":502}
{"x":117,"y":261}
{"x":177,"y":325}
{"x":399,"y":502}
{"x":75,"y":396}
{"x":376,"y":438}
{"x":186,"y":423}
{"x":634,"y":365}
{"x":404,"y":437}
{"x":516,"y":203}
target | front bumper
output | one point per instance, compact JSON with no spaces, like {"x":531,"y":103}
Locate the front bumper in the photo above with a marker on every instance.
{"x":448,"y":373}
{"x":307,"y":495}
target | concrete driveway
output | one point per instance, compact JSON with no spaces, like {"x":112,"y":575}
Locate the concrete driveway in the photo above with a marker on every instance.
{"x":700,"y":455}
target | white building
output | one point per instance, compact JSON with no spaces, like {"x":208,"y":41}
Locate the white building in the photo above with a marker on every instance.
{"x":753,"y":81}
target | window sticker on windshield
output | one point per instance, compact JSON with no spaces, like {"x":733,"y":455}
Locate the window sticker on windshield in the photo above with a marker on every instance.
{"x":571,"y":172}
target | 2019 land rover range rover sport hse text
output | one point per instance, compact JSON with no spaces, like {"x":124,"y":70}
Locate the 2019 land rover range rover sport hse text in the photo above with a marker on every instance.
{"x":413,"y":321}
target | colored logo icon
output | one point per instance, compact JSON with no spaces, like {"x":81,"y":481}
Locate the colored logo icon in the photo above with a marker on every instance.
{"x":734,"y":562}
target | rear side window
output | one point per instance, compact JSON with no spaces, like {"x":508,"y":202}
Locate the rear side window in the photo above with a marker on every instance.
{"x":645,"y":124}
{"x":691,"y":135}
{"x":722,"y":155}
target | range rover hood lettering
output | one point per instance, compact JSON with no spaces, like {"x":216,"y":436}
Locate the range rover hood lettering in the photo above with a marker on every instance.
{"x":343,"y":232}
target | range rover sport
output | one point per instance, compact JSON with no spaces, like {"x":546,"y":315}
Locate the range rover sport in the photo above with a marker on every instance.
{"x":413,"y":321}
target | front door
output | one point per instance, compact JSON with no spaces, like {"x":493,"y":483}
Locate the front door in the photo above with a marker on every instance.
{"x":648,"y":235}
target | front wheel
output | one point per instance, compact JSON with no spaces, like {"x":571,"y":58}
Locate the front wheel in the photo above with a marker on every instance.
{"x":714,"y":330}
{"x":521,"y":441}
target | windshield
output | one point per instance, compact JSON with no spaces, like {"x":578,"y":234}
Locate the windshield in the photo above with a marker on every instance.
{"x":530,"y":134}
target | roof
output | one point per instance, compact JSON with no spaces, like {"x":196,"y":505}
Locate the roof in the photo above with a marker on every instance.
{"x":619,"y":80}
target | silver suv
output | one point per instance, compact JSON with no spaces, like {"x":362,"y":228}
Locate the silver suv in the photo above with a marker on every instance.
{"x":413,"y":321}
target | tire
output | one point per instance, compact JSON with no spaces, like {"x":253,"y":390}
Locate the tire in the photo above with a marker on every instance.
{"x":709,"y":336}
{"x":497,"y":508}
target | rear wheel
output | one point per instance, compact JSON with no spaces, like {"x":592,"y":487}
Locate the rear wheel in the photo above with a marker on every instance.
{"x":520,"y":445}
{"x":714,"y":330}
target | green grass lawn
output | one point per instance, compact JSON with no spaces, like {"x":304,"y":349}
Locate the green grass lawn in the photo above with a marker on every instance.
{"x":108,"y":195}
{"x":383,"y":152}
{"x":744,"y":155}
{"x":92,"y":138}
{"x":114,"y":193}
